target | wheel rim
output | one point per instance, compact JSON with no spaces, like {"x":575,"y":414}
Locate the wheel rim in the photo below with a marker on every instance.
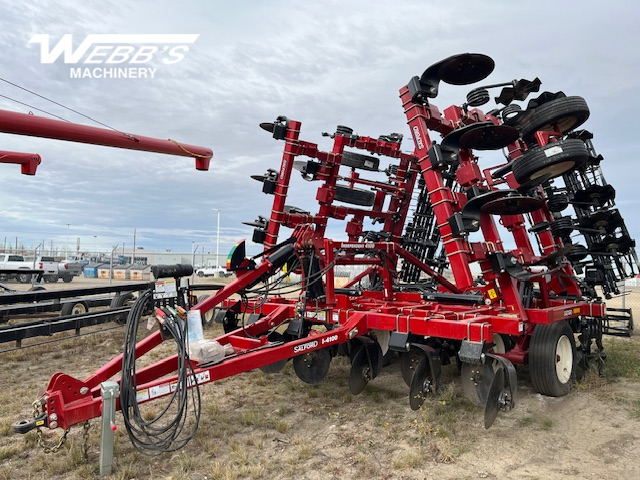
{"x":554,"y":170}
{"x":499,"y":346}
{"x":78,"y":309}
{"x":564,"y":359}
{"x":564,"y":124}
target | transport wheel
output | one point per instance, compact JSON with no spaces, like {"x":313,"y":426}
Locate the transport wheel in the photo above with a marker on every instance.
{"x":566,"y":113}
{"x":201,"y":274}
{"x":73,"y":308}
{"x":363,"y":162}
{"x":67,"y":278}
{"x":552,"y":359}
{"x":539,"y":164}
{"x":408,"y":362}
{"x":354,"y":196}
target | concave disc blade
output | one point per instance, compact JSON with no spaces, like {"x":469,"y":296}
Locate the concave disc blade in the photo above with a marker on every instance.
{"x":476,"y":382}
{"x":420,"y":384}
{"x":275,"y":337}
{"x":360,"y":373}
{"x":312,"y":367}
{"x":492,"y":407}
{"x":268,"y":126}
{"x":408,"y":362}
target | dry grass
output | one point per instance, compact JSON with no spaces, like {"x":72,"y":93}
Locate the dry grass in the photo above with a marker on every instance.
{"x":259,"y":426}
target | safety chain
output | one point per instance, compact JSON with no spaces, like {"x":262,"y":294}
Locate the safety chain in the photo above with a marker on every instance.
{"x":40,"y":436}
{"x":85,"y":440}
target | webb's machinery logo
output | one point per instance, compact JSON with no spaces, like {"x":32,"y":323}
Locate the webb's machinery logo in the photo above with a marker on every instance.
{"x":116,"y":55}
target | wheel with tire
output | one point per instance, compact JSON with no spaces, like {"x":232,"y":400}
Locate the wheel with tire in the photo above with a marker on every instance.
{"x":200,"y":274}
{"x":552,"y":359}
{"x":24,"y":277}
{"x":354,"y":196}
{"x":539,"y":164}
{"x":73,"y":308}
{"x":363,"y":162}
{"x":51,"y":278}
{"x":120,"y":300}
{"x":207,"y":317}
{"x":67,"y":278}
{"x":565,"y":113}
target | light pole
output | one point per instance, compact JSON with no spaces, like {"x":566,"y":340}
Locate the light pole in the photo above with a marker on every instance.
{"x":218,"y":239}
{"x":66,"y":245}
{"x":95,"y":247}
{"x":193,"y":261}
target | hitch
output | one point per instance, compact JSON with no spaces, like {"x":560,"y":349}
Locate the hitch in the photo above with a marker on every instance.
{"x":25,"y":426}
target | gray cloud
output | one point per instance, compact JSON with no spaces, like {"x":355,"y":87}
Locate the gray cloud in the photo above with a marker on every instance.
{"x":324,"y":63}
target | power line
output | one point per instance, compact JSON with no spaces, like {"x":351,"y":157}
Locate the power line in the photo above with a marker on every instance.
{"x":61,"y":105}
{"x":35,"y":108}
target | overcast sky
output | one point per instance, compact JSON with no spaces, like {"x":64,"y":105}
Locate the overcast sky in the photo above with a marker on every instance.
{"x":323,"y":63}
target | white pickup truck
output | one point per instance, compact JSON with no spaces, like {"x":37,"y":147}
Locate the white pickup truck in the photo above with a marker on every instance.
{"x":10,"y":261}
{"x":48,"y":264}
{"x":212,"y":271}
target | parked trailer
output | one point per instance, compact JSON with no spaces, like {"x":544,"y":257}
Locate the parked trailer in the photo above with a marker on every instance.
{"x":527,"y":308}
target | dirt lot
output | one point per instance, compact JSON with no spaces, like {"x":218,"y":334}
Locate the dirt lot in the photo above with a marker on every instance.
{"x":274,"y":426}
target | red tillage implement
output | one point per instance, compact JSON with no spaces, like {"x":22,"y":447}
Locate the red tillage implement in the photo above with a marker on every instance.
{"x":518,"y":301}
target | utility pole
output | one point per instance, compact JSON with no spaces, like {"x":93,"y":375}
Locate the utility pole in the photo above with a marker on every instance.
{"x":218,"y":240}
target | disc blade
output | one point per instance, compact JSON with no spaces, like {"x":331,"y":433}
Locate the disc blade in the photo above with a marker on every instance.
{"x":255,"y":224}
{"x":493,"y":406}
{"x":374,"y":352}
{"x":489,"y":137}
{"x":408,"y":362}
{"x":276,"y":338}
{"x":360,"y":373}
{"x":313,"y":366}
{"x":268,"y":126}
{"x":476,"y":382}
{"x":421,"y":384}
{"x":512,"y":205}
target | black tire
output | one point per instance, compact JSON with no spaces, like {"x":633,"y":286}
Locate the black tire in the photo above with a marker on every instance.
{"x":363,"y":162}
{"x":567,"y":113}
{"x":539,"y":164}
{"x":557,"y":202}
{"x":222,"y":274}
{"x":354,"y":196}
{"x":73,"y":308}
{"x":552,"y":359}
{"x":207,"y":317}
{"x":51,"y":278}
{"x":67,"y":278}
{"x":23,"y":277}
{"x":200,"y":274}
{"x":120,"y":300}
